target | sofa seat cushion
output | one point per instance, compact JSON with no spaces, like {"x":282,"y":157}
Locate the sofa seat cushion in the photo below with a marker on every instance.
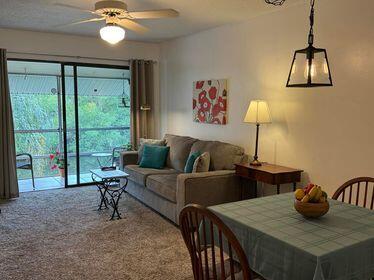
{"x":165,"y":185}
{"x":223,"y":156}
{"x":139,"y":174}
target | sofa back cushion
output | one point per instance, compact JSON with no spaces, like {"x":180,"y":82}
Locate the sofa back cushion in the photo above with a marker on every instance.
{"x":223,"y":156}
{"x":180,"y":148}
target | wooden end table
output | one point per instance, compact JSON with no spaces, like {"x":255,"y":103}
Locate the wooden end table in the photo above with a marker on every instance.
{"x":270,"y":174}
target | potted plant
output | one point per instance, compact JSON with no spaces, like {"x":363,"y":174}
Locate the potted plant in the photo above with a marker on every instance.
{"x":58,"y":162}
{"x":128,"y":147}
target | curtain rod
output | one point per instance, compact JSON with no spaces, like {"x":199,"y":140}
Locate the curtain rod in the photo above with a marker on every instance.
{"x":72,"y":56}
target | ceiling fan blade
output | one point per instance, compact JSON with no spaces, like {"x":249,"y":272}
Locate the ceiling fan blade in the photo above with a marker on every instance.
{"x":132,"y":25}
{"x":83,"y":21}
{"x":73,"y":7}
{"x":166,"y":13}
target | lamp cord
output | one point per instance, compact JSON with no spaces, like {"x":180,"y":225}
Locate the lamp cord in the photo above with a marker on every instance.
{"x":311,"y":18}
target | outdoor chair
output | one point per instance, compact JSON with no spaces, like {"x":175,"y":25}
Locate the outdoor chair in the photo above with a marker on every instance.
{"x":116,"y":155}
{"x":24,"y":162}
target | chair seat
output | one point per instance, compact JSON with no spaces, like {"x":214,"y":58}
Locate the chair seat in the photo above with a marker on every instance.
{"x":237,"y":271}
{"x":23,"y":165}
{"x":236,"y":266}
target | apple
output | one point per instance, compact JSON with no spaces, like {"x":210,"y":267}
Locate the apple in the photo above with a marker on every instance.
{"x":308,"y":188}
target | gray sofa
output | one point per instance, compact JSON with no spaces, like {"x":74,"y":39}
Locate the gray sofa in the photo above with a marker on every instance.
{"x":168,"y":190}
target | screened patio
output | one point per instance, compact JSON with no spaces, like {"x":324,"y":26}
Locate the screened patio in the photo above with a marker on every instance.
{"x":103,"y":119}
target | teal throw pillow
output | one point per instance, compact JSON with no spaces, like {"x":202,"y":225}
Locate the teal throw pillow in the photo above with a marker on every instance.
{"x":154,"y":156}
{"x":190,"y":161}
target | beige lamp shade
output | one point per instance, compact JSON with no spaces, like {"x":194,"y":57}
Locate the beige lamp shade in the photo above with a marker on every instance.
{"x":258,"y":112}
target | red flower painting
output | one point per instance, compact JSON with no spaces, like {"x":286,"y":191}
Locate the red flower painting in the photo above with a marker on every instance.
{"x":210,"y":101}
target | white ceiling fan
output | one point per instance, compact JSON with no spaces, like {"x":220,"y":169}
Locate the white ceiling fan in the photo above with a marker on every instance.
{"x":117,"y":17}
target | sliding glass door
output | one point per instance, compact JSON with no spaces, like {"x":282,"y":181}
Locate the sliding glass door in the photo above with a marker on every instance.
{"x":79,"y":113}
{"x":103,"y":116}
{"x":36,"y":101}
{"x":97,"y":117}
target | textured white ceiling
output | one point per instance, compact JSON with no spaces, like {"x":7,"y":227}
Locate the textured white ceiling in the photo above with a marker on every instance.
{"x":195,"y":16}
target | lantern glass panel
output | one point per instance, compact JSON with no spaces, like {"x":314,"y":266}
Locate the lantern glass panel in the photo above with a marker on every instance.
{"x":297,"y":75}
{"x":320,"y":69}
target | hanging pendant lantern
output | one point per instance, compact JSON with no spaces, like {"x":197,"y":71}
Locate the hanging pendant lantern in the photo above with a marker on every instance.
{"x":310,"y":66}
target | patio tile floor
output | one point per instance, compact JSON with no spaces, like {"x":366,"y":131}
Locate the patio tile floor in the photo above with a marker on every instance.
{"x":46,"y":183}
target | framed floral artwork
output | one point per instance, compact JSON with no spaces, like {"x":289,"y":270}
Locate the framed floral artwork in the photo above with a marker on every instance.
{"x":210,"y":101}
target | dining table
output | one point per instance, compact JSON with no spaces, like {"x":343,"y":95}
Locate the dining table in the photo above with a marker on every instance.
{"x":281,"y":244}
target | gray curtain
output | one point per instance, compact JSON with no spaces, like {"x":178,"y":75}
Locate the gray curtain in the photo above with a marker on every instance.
{"x":142,"y":100}
{"x":8,"y":173}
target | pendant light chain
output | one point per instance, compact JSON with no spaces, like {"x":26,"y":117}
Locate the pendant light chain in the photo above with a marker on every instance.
{"x":311,"y":18}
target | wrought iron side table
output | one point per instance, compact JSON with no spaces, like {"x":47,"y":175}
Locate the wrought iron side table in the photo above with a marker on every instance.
{"x":110,"y":188}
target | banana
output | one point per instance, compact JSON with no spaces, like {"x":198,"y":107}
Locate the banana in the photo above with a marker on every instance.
{"x":313,"y":192}
{"x":299,"y":194}
{"x":318,"y":195}
{"x":306,"y":198}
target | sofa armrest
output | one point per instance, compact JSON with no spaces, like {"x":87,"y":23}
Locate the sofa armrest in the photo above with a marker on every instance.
{"x":207,"y":188}
{"x":128,"y":157}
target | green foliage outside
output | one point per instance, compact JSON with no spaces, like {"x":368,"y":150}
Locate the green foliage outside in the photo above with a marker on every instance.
{"x":40,"y":111}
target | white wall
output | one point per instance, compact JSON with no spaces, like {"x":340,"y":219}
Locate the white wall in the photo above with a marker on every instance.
{"x":328,"y":132}
{"x":80,"y":46}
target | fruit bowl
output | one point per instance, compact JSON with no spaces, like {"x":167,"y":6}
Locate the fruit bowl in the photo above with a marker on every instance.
{"x":312,"y":210}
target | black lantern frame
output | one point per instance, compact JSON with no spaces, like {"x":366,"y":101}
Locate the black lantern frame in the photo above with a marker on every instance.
{"x":310,"y":52}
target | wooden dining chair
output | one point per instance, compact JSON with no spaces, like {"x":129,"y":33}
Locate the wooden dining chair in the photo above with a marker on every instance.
{"x":358,"y":191}
{"x":214,"y":250}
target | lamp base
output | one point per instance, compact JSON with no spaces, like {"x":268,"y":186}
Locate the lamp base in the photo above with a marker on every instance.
{"x":255,"y":162}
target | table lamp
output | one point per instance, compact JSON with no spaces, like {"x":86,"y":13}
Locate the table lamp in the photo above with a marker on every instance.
{"x":258,"y":113}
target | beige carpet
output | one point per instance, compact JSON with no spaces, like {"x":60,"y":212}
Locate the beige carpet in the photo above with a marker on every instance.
{"x":58,"y":234}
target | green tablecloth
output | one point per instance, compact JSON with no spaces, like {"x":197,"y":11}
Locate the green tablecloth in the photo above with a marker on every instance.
{"x":281,"y":244}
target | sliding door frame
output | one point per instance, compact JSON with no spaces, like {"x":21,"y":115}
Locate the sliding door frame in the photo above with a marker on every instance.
{"x":75,"y":66}
{"x":76,"y":104}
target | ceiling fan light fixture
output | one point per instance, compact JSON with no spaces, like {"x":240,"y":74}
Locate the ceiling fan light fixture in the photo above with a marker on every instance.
{"x":112,"y":33}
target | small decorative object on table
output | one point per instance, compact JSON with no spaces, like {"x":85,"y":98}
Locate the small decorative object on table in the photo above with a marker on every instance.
{"x":258,"y":113}
{"x":110,"y":187}
{"x":311,"y":202}
{"x":57,"y":161}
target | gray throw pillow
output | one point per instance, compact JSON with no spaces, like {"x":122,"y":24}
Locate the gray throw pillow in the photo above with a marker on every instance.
{"x":143,"y":141}
{"x":202,"y":163}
